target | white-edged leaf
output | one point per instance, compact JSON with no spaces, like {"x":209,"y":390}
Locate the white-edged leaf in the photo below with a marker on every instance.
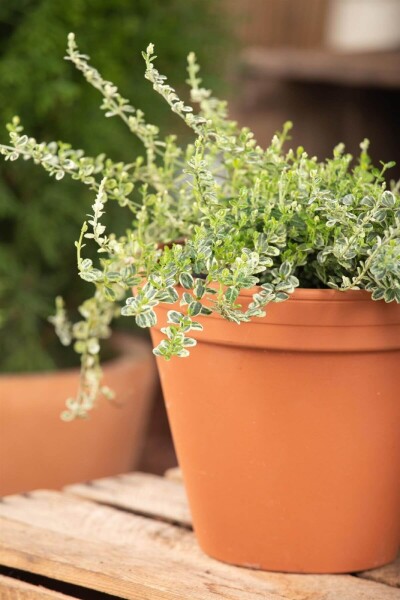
{"x":146,"y":319}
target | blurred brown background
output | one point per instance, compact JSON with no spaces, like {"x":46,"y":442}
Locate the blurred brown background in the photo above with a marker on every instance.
{"x":330,"y":66}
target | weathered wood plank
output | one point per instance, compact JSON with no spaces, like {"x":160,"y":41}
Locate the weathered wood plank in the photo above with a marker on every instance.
{"x":327,"y":587}
{"x":142,"y":493}
{"x":112,"y":492}
{"x":83,"y":519}
{"x":115,"y":569}
{"x":136,"y":535}
{"x":15,"y":589}
{"x":380,"y":69}
{"x":389,"y":574}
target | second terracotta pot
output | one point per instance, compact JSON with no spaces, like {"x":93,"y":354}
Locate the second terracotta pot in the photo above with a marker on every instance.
{"x":39,"y":450}
{"x":287,"y":432}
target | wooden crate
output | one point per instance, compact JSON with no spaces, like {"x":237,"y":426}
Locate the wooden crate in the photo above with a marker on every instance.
{"x":279,"y":23}
{"x":130,"y":537}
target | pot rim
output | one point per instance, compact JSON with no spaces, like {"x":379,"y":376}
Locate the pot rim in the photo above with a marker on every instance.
{"x":318,"y":294}
{"x":311,"y":320}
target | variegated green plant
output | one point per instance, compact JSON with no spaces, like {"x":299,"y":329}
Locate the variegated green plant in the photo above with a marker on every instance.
{"x":215,"y":217}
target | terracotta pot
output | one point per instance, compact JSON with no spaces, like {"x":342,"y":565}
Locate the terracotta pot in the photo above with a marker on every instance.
{"x":287,"y":430}
{"x":38,"y":450}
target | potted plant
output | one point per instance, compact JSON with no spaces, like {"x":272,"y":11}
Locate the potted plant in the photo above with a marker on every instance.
{"x":39,"y":450}
{"x":280,"y":274}
{"x":38,"y":219}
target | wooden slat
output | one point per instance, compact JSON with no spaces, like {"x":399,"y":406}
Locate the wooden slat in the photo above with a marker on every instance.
{"x":15,"y":589}
{"x":116,"y":569}
{"x":86,"y":520}
{"x":173,"y":558}
{"x":357,"y":69}
{"x":327,"y":587}
{"x":121,"y":535}
{"x":141,"y":493}
{"x":389,"y":574}
{"x":83,"y":519}
{"x":299,"y":23}
{"x":114,"y":493}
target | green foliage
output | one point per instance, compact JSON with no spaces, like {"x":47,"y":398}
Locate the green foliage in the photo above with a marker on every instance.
{"x":38,"y":218}
{"x":268,"y":220}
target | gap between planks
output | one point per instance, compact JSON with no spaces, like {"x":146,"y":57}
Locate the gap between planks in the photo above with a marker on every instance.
{"x":165,"y":498}
{"x":66,"y":515}
{"x":144,"y":494}
{"x":134,"y":571}
{"x":15,"y":589}
{"x":168,"y":549}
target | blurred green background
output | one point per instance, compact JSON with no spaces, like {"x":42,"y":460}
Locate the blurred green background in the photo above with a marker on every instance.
{"x":324,"y":64}
{"x":39,"y":217}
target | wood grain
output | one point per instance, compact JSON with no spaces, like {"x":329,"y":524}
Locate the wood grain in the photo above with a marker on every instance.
{"x":113,"y":492}
{"x":14,"y":589}
{"x":141,"y":493}
{"x":116,"y":569}
{"x":299,"y":23}
{"x":170,"y":545}
{"x":68,"y":515}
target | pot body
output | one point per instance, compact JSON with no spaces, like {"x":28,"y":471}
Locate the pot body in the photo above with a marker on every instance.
{"x":287,"y":430}
{"x":38,"y":450}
